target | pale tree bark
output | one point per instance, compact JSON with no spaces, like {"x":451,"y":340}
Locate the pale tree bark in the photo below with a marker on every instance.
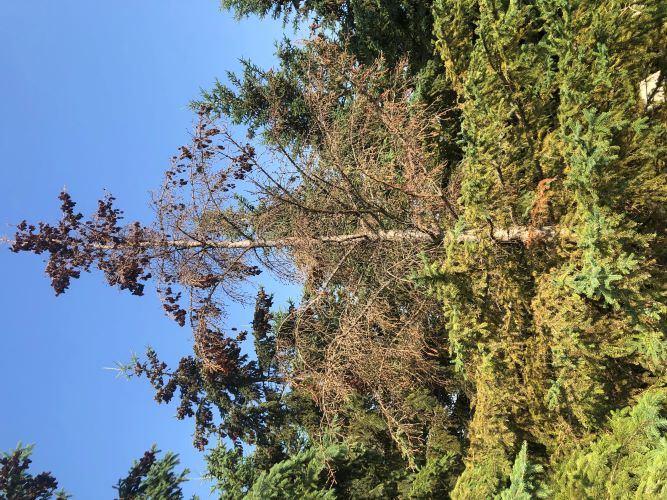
{"x":513,"y":234}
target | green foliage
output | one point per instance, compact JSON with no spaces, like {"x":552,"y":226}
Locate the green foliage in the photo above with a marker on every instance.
{"x":249,"y":100}
{"x":399,"y":31}
{"x":555,"y":335}
{"x":254,"y":404}
{"x":16,"y":483}
{"x":523,"y":367}
{"x":300,"y":476}
{"x":152,"y":478}
{"x":233,"y":473}
{"x":343,"y":471}
{"x":393,"y":27}
{"x":627,"y":460}
{"x":543,"y":340}
{"x":524,"y":480}
{"x":148,"y":478}
{"x":434,"y":478}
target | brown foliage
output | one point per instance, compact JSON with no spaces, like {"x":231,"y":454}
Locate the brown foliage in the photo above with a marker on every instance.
{"x":347,"y":212}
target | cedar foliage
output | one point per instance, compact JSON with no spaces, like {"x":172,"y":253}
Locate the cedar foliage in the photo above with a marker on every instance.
{"x":510,"y":343}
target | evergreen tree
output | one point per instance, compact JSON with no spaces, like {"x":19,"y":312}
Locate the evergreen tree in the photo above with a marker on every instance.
{"x":555,"y":334}
{"x":151,"y":477}
{"x":254,"y":404}
{"x":231,"y":472}
{"x":394,"y":28}
{"x":333,"y":471}
{"x":525,"y":483}
{"x":16,"y":483}
{"x":398,"y":31}
{"x":625,"y":460}
{"x":481,"y":241}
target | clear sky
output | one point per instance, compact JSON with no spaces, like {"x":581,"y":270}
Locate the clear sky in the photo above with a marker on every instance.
{"x":94,"y":96}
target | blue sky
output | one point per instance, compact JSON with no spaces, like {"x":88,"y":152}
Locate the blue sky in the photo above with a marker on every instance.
{"x":94,"y":96}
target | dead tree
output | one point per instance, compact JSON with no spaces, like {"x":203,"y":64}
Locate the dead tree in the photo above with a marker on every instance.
{"x":350,"y":213}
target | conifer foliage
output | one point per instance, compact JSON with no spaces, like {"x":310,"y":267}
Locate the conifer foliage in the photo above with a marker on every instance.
{"x":17,"y":483}
{"x":149,"y":478}
{"x":554,"y":336}
{"x":478,"y":221}
{"x":152,"y":477}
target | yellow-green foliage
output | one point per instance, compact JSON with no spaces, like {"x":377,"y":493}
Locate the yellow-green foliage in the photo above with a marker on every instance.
{"x":553,"y":336}
{"x":627,"y":460}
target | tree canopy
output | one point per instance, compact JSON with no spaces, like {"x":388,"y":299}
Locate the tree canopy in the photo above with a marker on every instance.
{"x":16,"y":482}
{"x":472,"y":194}
{"x":149,"y":478}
